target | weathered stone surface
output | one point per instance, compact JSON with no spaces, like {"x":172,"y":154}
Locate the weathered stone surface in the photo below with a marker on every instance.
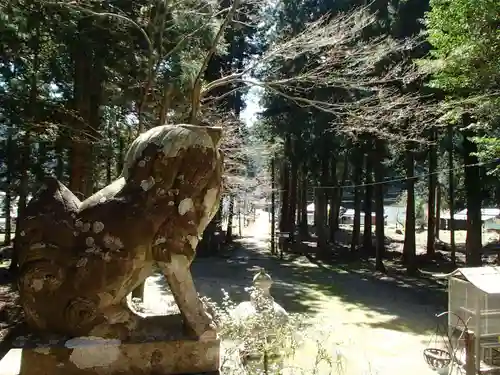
{"x":80,"y":260}
{"x":93,"y":356}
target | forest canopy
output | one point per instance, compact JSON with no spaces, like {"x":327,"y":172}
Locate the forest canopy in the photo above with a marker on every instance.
{"x":356,"y":98}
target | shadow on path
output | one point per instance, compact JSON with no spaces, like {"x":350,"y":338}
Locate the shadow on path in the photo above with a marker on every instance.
{"x":308,"y":286}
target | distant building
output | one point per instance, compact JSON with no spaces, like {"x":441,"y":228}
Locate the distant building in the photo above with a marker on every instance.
{"x":310,"y":212}
{"x":489,"y":217}
{"x":348,"y":217}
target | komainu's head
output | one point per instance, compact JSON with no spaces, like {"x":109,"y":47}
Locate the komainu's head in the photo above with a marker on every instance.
{"x":178,"y":168}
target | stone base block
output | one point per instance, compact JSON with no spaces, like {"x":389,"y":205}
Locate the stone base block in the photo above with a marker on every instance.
{"x":94,"y":356}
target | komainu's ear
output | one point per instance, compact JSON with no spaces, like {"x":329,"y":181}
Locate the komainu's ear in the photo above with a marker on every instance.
{"x":52,"y":197}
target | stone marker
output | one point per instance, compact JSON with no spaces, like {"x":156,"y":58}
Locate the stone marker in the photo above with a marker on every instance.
{"x":80,"y":260}
{"x":261,"y":308}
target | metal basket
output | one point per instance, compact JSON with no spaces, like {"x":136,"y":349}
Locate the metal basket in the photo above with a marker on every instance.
{"x":437,"y":358}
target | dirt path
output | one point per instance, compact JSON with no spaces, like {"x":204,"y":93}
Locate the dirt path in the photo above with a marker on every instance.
{"x":380,"y":327}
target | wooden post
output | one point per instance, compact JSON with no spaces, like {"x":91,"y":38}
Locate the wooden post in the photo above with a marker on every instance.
{"x":470,"y":360}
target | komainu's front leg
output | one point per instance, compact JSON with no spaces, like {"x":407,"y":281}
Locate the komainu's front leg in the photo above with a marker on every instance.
{"x":181,"y":283}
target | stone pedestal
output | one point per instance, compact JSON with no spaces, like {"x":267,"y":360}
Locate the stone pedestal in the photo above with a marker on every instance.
{"x":158,"y":358}
{"x":100,"y":358}
{"x":150,"y":353}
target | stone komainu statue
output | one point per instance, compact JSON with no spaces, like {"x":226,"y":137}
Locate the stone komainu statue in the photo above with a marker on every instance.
{"x":80,"y":260}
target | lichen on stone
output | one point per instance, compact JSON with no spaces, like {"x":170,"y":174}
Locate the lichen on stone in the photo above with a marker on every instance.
{"x":93,"y":250}
{"x":37,"y":246}
{"x":82,"y":262}
{"x":89,"y":241}
{"x":112,"y":243}
{"x":93,"y":352}
{"x":37,"y":284}
{"x":97,"y":227}
{"x":185,"y":206}
{"x":159,"y":241}
{"x":147,"y":184}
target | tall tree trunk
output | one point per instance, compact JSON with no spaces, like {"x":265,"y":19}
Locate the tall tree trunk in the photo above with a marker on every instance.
{"x":333,"y":191}
{"x":431,"y":204}
{"x":451,"y":198}
{"x":273,"y":207}
{"x":109,"y":153}
{"x":41,"y":161}
{"x":240,"y":227}
{"x":26,"y":143}
{"x":409,"y":247}
{"x":60,"y":154}
{"x":339,"y":196}
{"x":357,"y":170}
{"x":23,"y":196}
{"x":96,"y":84}
{"x":81,"y":150}
{"x":205,"y":247}
{"x":168,"y":89}
{"x":367,"y":235}
{"x":379,"y":207}
{"x":438,"y":209}
{"x":473,"y":243}
{"x":121,"y":152}
{"x":303,"y":222}
{"x":285,"y":184}
{"x":8,"y":190}
{"x":294,"y":171}
{"x":322,"y":202}
{"x":209,"y":244}
{"x":230,"y":216}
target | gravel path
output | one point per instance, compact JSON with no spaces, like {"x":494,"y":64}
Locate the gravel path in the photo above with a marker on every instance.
{"x":380,"y":327}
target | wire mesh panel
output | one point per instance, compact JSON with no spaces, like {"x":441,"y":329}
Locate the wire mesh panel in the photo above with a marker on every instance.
{"x":474,"y":307}
{"x":491,"y":316}
{"x":474,"y":304}
{"x":464,"y":301}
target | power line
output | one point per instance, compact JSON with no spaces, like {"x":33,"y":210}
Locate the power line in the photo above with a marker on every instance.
{"x":404,"y":178}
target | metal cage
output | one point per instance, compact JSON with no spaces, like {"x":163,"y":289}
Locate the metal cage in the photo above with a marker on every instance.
{"x":474,"y":296}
